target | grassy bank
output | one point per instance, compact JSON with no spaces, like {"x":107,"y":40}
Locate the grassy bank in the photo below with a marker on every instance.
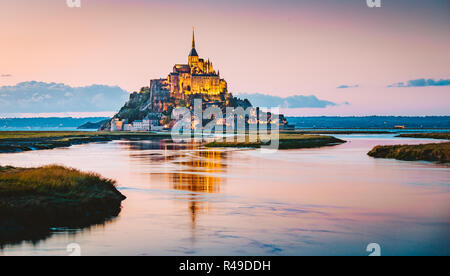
{"x":18,"y":141}
{"x":439,"y":152}
{"x":33,"y":200}
{"x":437,"y":135}
{"x":289,"y":140}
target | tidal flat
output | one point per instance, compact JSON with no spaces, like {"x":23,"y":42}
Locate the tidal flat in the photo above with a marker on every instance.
{"x":437,"y":135}
{"x":189,"y":200}
{"x":19,"y":141}
{"x":287,"y":140}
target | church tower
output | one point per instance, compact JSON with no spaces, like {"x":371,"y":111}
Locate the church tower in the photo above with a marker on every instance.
{"x":193,"y":55}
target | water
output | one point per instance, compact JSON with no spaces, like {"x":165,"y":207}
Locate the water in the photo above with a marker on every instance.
{"x":327,"y":201}
{"x":44,"y":129}
{"x":393,"y":130}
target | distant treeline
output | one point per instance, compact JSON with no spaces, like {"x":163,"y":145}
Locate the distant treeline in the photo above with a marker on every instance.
{"x":370,"y":122}
{"x":47,"y":122}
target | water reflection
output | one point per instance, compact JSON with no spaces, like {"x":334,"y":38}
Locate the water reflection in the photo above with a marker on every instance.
{"x":39,"y":234}
{"x":194,"y":170}
{"x":186,"y":167}
{"x":159,"y":144}
{"x":331,"y":201}
{"x":197,"y":175}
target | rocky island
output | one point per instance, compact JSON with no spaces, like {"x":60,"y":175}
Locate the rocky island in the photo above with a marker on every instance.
{"x":91,"y":125}
{"x":151,"y":108}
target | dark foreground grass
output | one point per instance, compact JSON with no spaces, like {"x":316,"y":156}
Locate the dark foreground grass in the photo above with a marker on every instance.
{"x":437,"y":135}
{"x":286,"y":141}
{"x":438,"y":152}
{"x":34,"y":200}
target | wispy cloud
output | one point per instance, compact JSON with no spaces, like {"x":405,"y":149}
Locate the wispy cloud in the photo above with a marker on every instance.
{"x":422,"y":83}
{"x":297,"y":101}
{"x":348,"y":86}
{"x":41,"y":97}
{"x":5,"y":75}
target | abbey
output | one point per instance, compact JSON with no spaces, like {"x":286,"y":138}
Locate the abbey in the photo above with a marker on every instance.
{"x":196,"y":79}
{"x":151,"y":108}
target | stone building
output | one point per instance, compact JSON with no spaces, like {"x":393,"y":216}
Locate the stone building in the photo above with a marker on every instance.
{"x":196,"y":78}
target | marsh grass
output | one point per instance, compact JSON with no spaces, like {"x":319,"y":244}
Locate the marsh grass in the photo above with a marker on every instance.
{"x":436,"y":135}
{"x":32,"y":200}
{"x":51,"y":180}
{"x":66,"y":134}
{"x":437,"y":152}
{"x":18,"y":141}
{"x":289,"y":140}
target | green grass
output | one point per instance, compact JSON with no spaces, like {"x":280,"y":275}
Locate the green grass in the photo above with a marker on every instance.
{"x":436,"y":135}
{"x":438,"y":152}
{"x":61,"y":134}
{"x":17,"y":141}
{"x":286,"y":141}
{"x":33,"y":200}
{"x":54,"y":181}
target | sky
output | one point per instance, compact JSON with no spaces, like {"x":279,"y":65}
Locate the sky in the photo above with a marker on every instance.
{"x":282,"y":48}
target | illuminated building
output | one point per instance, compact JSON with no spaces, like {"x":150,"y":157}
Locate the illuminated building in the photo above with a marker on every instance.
{"x":197,"y":78}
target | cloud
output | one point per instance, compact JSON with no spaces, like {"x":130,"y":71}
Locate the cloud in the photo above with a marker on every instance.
{"x":422,"y":83}
{"x":41,"y":97}
{"x":5,"y":75}
{"x":297,"y":101}
{"x":348,"y":86}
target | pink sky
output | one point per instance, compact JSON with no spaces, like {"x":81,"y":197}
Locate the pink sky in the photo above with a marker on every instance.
{"x":282,"y":48}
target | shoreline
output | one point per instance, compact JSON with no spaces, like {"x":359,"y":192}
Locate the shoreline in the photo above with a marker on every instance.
{"x":436,"y":135}
{"x":286,"y":141}
{"x":20,"y":141}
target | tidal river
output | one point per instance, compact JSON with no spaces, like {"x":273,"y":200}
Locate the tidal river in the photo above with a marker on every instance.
{"x":183,"y":200}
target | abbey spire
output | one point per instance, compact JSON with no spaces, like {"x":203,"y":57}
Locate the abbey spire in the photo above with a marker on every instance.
{"x":193,"y":52}
{"x":193,"y":38}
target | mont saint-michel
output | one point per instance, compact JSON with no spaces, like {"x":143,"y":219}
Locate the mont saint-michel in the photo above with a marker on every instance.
{"x":124,"y":131}
{"x":151,"y":107}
